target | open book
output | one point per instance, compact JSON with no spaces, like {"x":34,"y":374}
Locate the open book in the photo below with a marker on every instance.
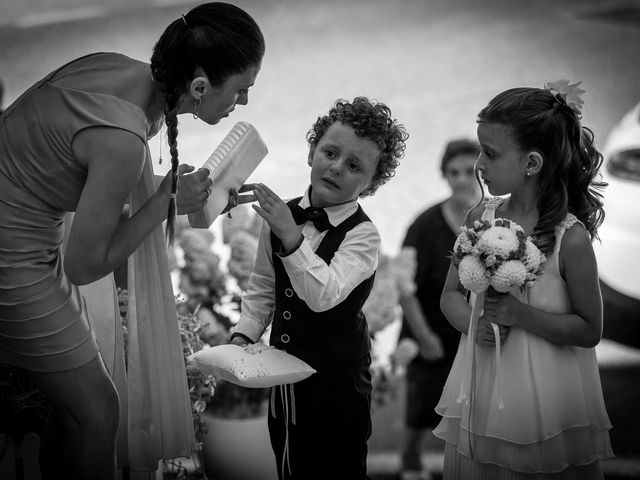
{"x":230,"y":165}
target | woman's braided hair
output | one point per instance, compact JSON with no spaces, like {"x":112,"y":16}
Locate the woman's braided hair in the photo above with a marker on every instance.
{"x":220,"y":38}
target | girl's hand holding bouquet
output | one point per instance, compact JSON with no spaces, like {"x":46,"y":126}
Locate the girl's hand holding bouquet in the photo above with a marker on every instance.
{"x":492,"y":259}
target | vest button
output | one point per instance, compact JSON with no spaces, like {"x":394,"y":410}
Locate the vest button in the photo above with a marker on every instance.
{"x":285,"y":338}
{"x":286,"y":314}
{"x":288,"y":292}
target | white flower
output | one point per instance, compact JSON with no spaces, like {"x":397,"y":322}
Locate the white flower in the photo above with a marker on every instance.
{"x":381,"y":308}
{"x":510,"y":274}
{"x":499,"y":241}
{"x":533,"y":257}
{"x":472,"y":274}
{"x":490,"y":260}
{"x":463,"y":242}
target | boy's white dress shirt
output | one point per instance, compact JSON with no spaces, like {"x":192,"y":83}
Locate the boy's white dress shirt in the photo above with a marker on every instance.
{"x":321,"y":286}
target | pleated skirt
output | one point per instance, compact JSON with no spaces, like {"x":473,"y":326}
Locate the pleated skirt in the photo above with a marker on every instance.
{"x":552,"y":417}
{"x":460,"y":467}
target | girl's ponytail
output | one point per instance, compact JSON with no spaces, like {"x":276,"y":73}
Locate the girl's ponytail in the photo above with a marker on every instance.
{"x":583,"y":187}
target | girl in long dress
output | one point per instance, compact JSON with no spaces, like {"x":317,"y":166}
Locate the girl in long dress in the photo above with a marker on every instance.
{"x":552,"y":422}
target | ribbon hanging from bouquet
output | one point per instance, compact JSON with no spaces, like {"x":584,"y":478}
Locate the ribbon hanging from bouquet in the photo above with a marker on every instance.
{"x":466,"y":391}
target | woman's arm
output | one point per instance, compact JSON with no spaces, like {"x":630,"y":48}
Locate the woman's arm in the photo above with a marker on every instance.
{"x":430,"y":343}
{"x":583,"y":326}
{"x":99,"y":242}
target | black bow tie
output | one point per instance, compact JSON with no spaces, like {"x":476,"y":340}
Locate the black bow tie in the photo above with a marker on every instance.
{"x":312,"y":214}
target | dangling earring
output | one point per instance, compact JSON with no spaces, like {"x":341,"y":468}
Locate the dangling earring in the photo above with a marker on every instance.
{"x":196,"y":106}
{"x":160,"y":153}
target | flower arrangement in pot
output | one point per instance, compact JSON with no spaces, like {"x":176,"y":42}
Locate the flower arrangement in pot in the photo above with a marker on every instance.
{"x":394,"y":279}
{"x":212,"y":298}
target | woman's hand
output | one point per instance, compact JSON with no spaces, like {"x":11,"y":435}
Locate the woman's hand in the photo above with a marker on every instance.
{"x":278,"y":216}
{"x":194,"y":188}
{"x":485,"y":335}
{"x":431,"y":347}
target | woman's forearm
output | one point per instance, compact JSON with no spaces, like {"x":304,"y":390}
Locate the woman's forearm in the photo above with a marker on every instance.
{"x":130,"y":233}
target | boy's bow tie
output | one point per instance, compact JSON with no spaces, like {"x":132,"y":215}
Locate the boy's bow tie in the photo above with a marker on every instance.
{"x":313,"y":214}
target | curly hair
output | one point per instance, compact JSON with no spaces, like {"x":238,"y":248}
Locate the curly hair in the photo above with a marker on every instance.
{"x":371,"y":120}
{"x":541,"y":121}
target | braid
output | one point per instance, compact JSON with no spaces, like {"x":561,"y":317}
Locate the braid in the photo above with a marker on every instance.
{"x":171,"y":119}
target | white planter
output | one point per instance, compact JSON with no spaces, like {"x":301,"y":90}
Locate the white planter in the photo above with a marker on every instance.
{"x":238,"y":449}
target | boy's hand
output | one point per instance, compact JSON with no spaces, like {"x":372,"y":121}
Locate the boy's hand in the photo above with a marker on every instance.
{"x":241,"y":342}
{"x":277,"y":215}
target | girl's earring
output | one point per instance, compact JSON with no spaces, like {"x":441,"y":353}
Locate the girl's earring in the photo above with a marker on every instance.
{"x":529,"y":174}
{"x":196,"y":107}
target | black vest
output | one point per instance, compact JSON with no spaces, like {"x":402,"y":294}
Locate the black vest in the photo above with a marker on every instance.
{"x":330,"y":340}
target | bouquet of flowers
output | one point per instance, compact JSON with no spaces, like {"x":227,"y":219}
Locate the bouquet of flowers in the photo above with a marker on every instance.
{"x":496,"y":254}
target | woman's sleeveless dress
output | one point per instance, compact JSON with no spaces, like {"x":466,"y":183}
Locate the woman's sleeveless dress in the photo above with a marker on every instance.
{"x":43,"y":323}
{"x":554,"y":414}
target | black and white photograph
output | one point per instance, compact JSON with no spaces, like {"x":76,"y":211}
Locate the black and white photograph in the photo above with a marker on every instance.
{"x":319,"y":239}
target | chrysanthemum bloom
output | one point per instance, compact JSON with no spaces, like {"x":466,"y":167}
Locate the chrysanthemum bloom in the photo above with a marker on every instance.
{"x":472,"y":274}
{"x":533,"y":257}
{"x":510,"y":274}
{"x":499,"y":241}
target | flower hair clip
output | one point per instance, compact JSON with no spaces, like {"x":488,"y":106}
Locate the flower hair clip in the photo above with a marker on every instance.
{"x":567,"y":93}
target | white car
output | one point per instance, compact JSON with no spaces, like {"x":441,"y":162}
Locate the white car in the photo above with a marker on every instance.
{"x":618,"y":253}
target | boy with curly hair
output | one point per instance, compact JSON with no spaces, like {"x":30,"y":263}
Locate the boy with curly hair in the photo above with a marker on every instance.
{"x":315,"y":266}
